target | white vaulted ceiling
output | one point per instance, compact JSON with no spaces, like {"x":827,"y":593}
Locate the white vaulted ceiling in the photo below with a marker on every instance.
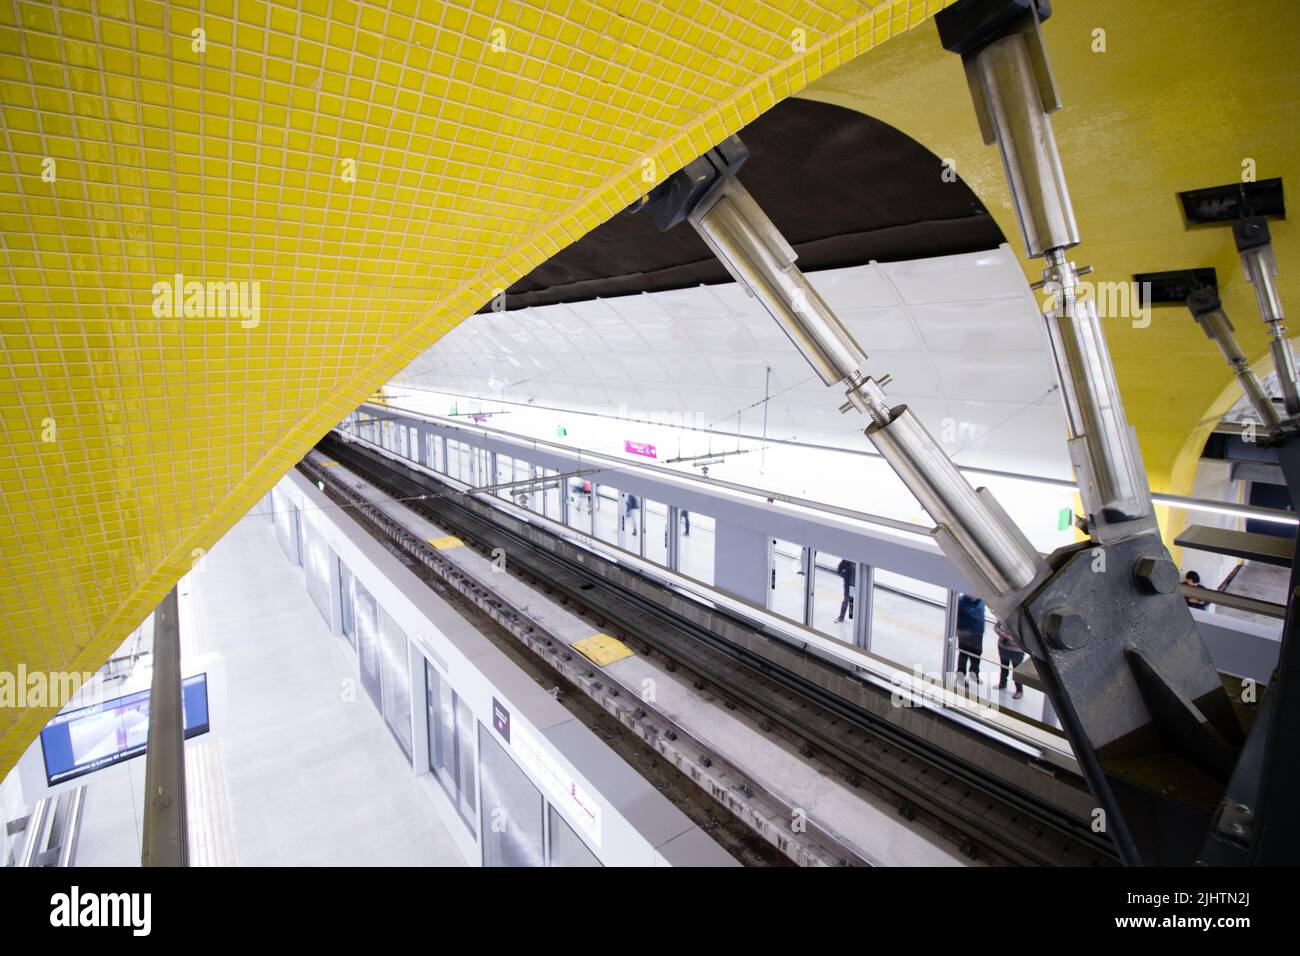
{"x":961,"y":336}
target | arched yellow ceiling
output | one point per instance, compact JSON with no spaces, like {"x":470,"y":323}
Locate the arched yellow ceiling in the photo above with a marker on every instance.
{"x":378,"y":170}
{"x":1183,"y":94}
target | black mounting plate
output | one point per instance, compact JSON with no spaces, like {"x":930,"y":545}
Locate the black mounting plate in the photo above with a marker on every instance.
{"x":1164,"y":288}
{"x":1228,"y":203}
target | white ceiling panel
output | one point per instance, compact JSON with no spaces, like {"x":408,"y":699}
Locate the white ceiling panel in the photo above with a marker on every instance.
{"x":976,"y":275}
{"x":859,"y":287}
{"x":882,"y":328}
{"x":979,"y":326}
{"x":697,"y":303}
{"x":638,"y":308}
{"x":994,"y":376}
{"x":727,"y":334}
{"x":961,"y":337}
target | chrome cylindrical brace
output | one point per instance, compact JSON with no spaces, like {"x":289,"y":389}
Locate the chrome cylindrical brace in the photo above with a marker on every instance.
{"x":1260,"y":266}
{"x":1113,"y":485}
{"x":1207,"y":309}
{"x":755,"y":253}
{"x":991,"y":544}
{"x":759,"y":258}
{"x":1014,"y":92}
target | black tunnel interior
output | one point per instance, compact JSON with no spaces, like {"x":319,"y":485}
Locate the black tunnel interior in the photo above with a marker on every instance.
{"x":842,"y":187}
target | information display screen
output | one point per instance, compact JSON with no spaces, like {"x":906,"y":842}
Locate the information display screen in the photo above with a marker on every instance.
{"x":91,"y":738}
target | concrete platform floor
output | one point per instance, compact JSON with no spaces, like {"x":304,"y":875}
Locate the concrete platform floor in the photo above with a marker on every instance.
{"x":300,"y":771}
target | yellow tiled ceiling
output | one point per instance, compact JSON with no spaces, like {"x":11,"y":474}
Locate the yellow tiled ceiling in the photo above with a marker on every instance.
{"x":371,"y":172}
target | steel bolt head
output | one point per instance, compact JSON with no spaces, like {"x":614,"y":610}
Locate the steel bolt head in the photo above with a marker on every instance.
{"x":1155,"y":575}
{"x":1066,"y":629}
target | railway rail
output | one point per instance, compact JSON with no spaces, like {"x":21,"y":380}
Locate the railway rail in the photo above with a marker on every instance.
{"x":989,"y":817}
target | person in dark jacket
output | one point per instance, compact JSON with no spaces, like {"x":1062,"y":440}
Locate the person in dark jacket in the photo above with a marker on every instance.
{"x":1010,"y":654}
{"x":970,"y":636}
{"x":1192,"y":579}
{"x":633,"y":512}
{"x":849,"y":572}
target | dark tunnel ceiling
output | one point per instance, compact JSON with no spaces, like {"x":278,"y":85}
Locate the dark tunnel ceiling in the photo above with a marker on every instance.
{"x":844,"y":189}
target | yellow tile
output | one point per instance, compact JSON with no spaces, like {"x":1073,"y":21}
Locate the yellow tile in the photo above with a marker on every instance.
{"x":225,"y":163}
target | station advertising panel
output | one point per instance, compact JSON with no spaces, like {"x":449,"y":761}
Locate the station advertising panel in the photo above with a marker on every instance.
{"x":81,"y":741}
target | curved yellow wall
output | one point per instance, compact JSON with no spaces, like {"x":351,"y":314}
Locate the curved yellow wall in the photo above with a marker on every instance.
{"x":1183,"y":94}
{"x":378,"y":169}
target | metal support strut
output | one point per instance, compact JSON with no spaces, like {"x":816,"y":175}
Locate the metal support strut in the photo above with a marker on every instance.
{"x":1255,"y":247}
{"x":1118,"y":651}
{"x":708,"y":195}
{"x":1144,"y":708}
{"x":1207,"y":309}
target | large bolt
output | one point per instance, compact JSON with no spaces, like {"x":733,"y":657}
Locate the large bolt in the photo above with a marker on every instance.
{"x":1155,"y":575}
{"x":1066,"y":629}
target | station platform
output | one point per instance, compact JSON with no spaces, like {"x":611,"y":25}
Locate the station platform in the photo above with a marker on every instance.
{"x":300,"y":769}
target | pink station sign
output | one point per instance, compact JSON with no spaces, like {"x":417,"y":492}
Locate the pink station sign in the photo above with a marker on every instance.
{"x":641,"y":448}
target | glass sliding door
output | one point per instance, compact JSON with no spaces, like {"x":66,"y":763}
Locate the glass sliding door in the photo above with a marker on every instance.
{"x":395,"y":681}
{"x":567,"y":848}
{"x":787,"y":580}
{"x":451,"y":743}
{"x":695,"y":546}
{"x":655,"y":532}
{"x":368,"y":643}
{"x":505,"y":475}
{"x":553,"y":495}
{"x":834,"y":605}
{"x":629,"y":527}
{"x":347,"y":608}
{"x":511,"y":819}
{"x":317,"y":564}
{"x":909,"y":622}
{"x":606,"y":513}
{"x":581,"y":493}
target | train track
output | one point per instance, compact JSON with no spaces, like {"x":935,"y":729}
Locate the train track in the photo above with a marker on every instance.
{"x":959,"y":799}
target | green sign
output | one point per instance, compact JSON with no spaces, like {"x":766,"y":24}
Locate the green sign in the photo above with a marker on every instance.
{"x":1064,"y":519}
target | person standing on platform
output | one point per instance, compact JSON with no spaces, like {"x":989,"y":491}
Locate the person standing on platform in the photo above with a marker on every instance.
{"x":1010,"y":655}
{"x":970,"y":636}
{"x":633,"y":510}
{"x":848,"y":571}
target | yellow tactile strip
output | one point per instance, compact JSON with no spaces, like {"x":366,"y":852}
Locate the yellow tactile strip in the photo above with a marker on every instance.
{"x":344,"y":182}
{"x":447,"y":542}
{"x":601,"y":649}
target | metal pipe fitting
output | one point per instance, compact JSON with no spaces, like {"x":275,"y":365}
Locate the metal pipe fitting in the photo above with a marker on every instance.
{"x":758,"y":257}
{"x":1012,"y":85}
{"x":1207,"y":309}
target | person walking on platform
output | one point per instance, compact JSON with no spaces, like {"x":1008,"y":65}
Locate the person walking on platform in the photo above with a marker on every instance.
{"x":1010,"y":654}
{"x":970,"y":636}
{"x":633,"y":510}
{"x":848,"y":571}
{"x":686,"y":518}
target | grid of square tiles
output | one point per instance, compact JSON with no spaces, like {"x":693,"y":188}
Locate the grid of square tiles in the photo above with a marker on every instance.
{"x":483,"y":137}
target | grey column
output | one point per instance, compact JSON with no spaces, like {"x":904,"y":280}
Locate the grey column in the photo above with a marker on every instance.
{"x":808,"y":561}
{"x":866,"y":582}
{"x":950,"y":637}
{"x":674,"y":516}
{"x":165,"y":842}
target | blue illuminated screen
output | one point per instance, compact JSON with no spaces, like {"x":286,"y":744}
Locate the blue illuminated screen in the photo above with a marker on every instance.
{"x":87,"y":739}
